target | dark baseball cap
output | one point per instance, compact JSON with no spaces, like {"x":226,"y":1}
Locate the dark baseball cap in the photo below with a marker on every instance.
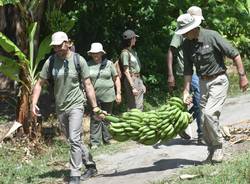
{"x":128,"y":34}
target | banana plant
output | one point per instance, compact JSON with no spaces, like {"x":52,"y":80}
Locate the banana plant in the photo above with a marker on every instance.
{"x":16,"y":63}
{"x":11,"y":64}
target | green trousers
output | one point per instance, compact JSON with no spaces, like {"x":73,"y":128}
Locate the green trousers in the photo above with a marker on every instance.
{"x":99,"y":133}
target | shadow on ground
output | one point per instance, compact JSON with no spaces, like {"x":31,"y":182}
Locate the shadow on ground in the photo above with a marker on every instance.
{"x":177,"y":141}
{"x":160,"y":165}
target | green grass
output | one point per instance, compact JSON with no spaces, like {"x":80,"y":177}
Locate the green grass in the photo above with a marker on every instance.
{"x":19,"y":166}
{"x":235,"y":171}
{"x":44,"y":165}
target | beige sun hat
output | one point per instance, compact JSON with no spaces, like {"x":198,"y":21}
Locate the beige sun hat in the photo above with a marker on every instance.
{"x":195,"y":11}
{"x":187,"y":22}
{"x":58,"y":38}
{"x":96,"y":48}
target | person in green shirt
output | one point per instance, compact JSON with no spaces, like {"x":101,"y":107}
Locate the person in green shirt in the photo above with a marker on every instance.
{"x":108,"y":89}
{"x":69,"y":99}
{"x":206,"y":50}
{"x":175,"y":60}
{"x":131,"y":67}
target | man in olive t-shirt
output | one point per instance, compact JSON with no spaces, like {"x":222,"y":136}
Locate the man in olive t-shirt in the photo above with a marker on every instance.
{"x":206,"y":49}
{"x":69,"y":99}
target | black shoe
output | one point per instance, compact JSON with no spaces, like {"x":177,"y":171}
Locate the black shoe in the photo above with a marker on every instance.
{"x":91,"y":172}
{"x":74,"y":180}
{"x":184,"y":135}
{"x":200,"y":141}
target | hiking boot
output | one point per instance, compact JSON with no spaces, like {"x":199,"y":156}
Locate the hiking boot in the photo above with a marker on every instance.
{"x":90,"y":172}
{"x":217,"y":156}
{"x":208,"y":160}
{"x":184,"y":135}
{"x":200,"y":141}
{"x":74,"y":180}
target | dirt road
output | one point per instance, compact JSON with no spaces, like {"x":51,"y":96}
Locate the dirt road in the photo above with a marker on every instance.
{"x":141,"y":164}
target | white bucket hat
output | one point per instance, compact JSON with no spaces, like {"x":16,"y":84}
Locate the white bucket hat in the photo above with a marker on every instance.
{"x":195,"y":11}
{"x":96,"y":47}
{"x":187,"y":22}
{"x":58,"y":38}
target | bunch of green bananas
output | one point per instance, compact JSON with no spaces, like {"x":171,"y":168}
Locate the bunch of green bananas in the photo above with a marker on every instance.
{"x":150,"y":127}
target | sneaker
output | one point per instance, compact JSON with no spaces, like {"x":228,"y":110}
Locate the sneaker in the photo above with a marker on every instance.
{"x":74,"y":180}
{"x":217,"y":156}
{"x":91,"y":172}
{"x":184,"y":135}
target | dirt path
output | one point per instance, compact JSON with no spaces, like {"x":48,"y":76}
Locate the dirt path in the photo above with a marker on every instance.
{"x":141,"y":164}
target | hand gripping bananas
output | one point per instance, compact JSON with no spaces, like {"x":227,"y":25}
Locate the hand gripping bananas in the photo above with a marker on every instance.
{"x":153,"y":126}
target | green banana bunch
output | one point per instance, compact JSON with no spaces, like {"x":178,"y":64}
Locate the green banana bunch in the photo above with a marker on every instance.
{"x":153,"y":126}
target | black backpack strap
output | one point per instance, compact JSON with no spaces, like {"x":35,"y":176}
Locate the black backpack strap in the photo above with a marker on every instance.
{"x":102,"y":66}
{"x":78,"y":68}
{"x":51,"y":65}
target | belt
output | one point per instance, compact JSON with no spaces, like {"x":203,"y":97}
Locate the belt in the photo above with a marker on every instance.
{"x":211,"y":77}
{"x":135,"y":75}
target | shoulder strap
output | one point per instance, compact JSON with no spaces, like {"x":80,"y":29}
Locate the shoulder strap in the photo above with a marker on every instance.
{"x":51,"y":65}
{"x":102,"y":66}
{"x":78,"y":68}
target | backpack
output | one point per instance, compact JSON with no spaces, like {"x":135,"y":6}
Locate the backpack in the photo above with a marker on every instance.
{"x":119,"y":66}
{"x":76,"y":59}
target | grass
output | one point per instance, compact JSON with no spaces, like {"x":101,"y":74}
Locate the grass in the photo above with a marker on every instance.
{"x":235,"y":171}
{"x":48,"y":164}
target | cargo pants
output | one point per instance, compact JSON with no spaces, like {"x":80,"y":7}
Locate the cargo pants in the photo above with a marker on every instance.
{"x":134,"y":101}
{"x":99,"y":132}
{"x":213,"y":96}
{"x":71,"y":123}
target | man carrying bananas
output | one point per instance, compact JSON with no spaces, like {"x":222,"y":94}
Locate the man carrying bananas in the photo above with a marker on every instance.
{"x":206,"y":49}
{"x":175,"y":58}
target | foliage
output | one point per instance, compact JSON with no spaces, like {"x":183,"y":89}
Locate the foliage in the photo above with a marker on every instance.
{"x":58,"y":21}
{"x":5,"y":2}
{"x":155,"y":22}
{"x":10,"y":66}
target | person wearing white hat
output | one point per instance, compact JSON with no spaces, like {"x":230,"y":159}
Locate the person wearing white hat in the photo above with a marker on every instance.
{"x":108,"y":89}
{"x":130,"y":67}
{"x":175,"y":60}
{"x":206,"y":49}
{"x":69,"y":99}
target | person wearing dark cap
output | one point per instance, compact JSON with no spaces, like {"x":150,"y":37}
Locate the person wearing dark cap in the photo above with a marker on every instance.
{"x":131,"y":67}
{"x":175,"y":60}
{"x":206,"y":49}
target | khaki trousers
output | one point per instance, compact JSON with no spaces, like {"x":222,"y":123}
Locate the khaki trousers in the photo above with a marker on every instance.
{"x":213,"y":96}
{"x":134,"y":101}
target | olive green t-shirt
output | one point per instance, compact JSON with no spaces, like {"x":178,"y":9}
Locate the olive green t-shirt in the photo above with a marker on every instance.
{"x":207,"y":53}
{"x":130,"y":59}
{"x":104,"y":84}
{"x":176,"y":43}
{"x":67,"y":91}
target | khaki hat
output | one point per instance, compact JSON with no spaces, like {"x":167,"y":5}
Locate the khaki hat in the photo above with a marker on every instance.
{"x":96,"y":48}
{"x":128,"y":34}
{"x":186,"y":23}
{"x":195,"y":11}
{"x":58,"y":38}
